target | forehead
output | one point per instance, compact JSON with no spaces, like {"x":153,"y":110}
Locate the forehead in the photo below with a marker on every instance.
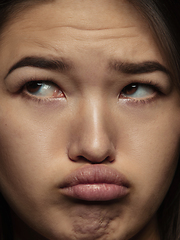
{"x":89,"y":14}
{"x":65,"y":27}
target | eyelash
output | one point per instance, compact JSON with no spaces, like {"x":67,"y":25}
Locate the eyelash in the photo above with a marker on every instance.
{"x":155,"y":86}
{"x":35,"y":99}
{"x":29,"y":96}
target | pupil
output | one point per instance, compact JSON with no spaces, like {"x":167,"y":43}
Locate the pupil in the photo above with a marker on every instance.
{"x":33,"y":87}
{"x":130,"y":89}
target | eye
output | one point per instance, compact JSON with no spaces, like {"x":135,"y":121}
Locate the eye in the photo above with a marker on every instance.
{"x":44,"y":89}
{"x":138,"y":90}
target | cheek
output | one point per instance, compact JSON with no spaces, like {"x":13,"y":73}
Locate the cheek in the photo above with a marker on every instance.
{"x":149,"y":154}
{"x":33,"y":154}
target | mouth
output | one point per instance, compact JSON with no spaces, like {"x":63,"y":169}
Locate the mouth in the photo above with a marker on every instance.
{"x":95,"y":183}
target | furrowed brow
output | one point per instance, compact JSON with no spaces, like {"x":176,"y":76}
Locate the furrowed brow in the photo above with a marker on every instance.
{"x":43,"y":63}
{"x":138,"y":68}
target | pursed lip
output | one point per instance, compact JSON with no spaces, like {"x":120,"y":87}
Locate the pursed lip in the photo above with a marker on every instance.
{"x":95,"y":183}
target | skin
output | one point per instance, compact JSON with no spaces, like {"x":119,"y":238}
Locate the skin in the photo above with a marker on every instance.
{"x":43,"y":137}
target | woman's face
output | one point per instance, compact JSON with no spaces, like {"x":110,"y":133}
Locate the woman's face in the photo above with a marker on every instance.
{"x":83,"y":156}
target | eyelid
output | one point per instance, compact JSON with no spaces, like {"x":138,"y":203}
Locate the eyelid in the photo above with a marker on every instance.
{"x":151,"y":83}
{"x":18,"y":85}
{"x":38,"y":97}
{"x":158,"y":91}
{"x":39,"y":80}
{"x":23,"y":75}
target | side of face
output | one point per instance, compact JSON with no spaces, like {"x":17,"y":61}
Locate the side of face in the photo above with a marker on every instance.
{"x":84,"y":114}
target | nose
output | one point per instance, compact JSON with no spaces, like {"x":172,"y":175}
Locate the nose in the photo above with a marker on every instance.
{"x":92,"y":139}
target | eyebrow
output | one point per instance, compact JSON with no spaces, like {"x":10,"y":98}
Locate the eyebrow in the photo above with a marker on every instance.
{"x":64,"y":65}
{"x":138,"y":68}
{"x":43,"y":63}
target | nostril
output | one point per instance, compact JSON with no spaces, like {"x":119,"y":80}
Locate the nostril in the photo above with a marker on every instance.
{"x":110,"y":159}
{"x":79,"y":159}
{"x":94,"y":160}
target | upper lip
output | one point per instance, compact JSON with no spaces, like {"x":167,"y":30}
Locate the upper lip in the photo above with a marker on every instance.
{"x":95,"y":174}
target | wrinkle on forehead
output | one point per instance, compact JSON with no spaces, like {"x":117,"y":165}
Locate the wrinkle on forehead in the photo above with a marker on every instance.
{"x":54,"y":27}
{"x":85,"y":21}
{"x":71,"y":27}
{"x":99,"y":38}
{"x":85,"y":15}
{"x":39,"y":34}
{"x":94,"y":34}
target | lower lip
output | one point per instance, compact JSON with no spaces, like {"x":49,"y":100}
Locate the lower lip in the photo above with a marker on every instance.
{"x":96,"y":192}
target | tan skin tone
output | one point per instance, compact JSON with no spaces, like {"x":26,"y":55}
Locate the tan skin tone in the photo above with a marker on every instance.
{"x":87,"y":112}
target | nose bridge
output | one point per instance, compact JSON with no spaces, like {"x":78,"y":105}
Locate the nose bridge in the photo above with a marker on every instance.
{"x":93,"y":140}
{"x":94,"y":123}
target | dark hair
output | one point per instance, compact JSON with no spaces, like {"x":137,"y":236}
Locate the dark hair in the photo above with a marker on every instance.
{"x":164,"y":19}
